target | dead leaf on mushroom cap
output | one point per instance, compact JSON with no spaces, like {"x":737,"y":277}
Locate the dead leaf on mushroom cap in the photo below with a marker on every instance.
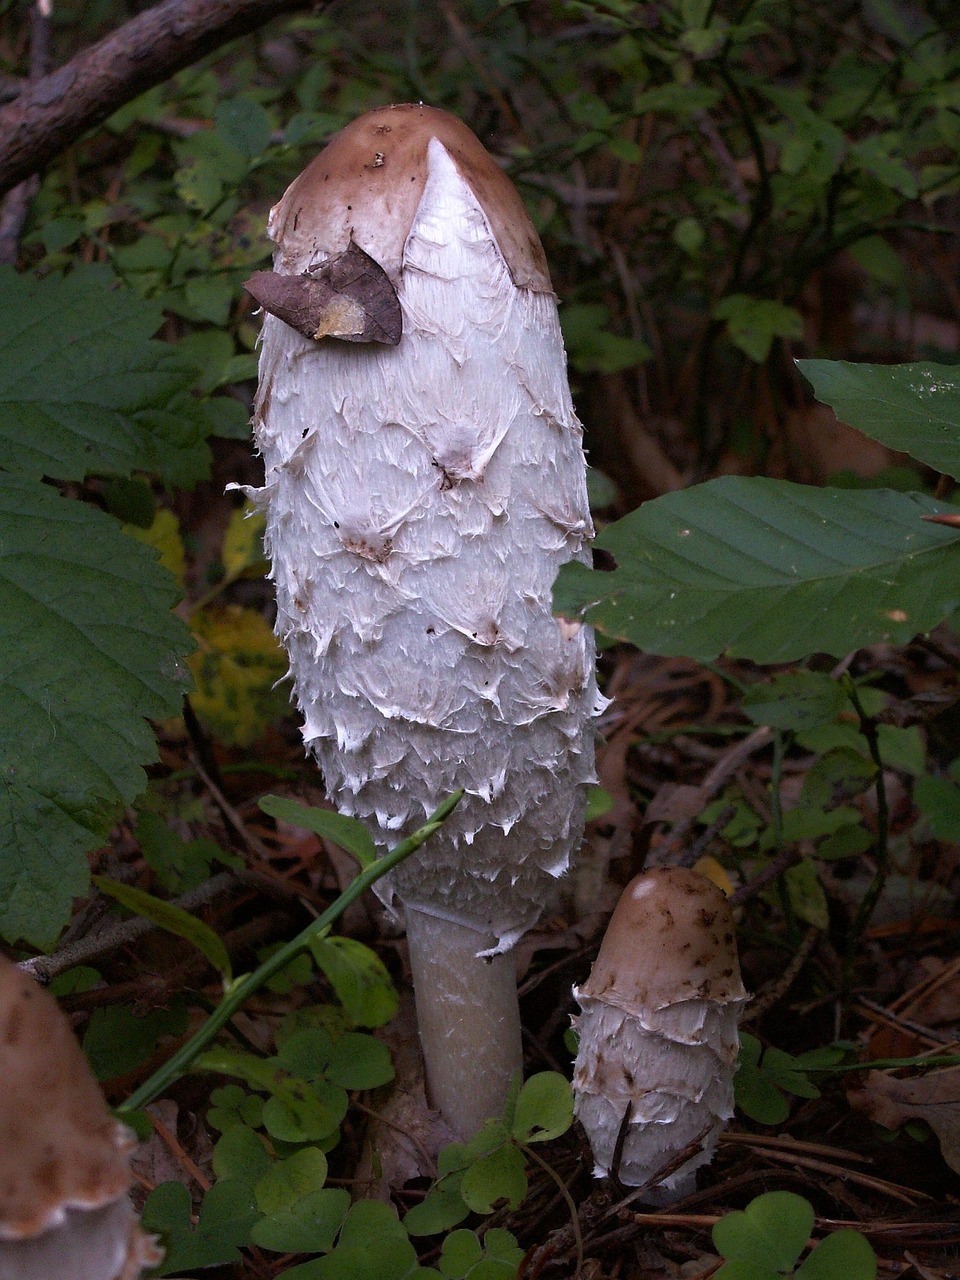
{"x":365,"y":186}
{"x":671,"y":938}
{"x":60,"y":1148}
{"x":933,"y":1097}
{"x":348,"y":297}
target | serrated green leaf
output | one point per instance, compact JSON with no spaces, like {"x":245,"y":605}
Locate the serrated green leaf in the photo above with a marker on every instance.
{"x":171,"y":918}
{"x":91,"y":649}
{"x":768,"y":570}
{"x":84,"y":387}
{"x":499,"y":1176}
{"x":772,"y":1231}
{"x":845,"y":1254}
{"x":544,"y":1108}
{"x":348,"y":833}
{"x":913,"y":408}
{"x":360,"y":979}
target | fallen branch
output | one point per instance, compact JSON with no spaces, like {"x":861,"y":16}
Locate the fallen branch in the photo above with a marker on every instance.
{"x":50,"y":114}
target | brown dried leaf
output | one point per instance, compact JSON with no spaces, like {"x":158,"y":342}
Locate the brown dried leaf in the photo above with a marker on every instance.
{"x":934,"y":1097}
{"x":349,"y":297}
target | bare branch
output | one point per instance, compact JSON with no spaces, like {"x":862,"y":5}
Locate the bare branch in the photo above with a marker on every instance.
{"x":49,"y":115}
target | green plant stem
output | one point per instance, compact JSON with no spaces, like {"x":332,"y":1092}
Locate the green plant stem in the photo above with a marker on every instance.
{"x":889,"y":1064}
{"x":241,"y":990}
{"x":868,"y":727}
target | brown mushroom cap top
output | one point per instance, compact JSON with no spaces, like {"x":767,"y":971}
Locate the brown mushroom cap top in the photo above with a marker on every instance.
{"x":671,"y":938}
{"x":366,"y":186}
{"x":59,"y":1145}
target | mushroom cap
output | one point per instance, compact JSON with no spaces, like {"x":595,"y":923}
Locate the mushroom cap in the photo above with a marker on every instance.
{"x":60,"y":1148}
{"x":365,"y":187}
{"x":671,"y":938}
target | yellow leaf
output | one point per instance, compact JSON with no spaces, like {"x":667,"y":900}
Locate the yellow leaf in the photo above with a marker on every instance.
{"x":243,"y":541}
{"x":164,"y":536}
{"x":236,"y":666}
{"x":712,"y":869}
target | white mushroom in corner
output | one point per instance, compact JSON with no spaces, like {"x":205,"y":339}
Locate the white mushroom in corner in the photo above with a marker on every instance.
{"x":64,"y":1159}
{"x":658,"y":1031}
{"x":422,"y":490}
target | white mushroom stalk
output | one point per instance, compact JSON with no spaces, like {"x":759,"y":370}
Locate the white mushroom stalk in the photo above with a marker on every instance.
{"x":420,"y":499}
{"x":64,"y":1160}
{"x":658,"y":1032}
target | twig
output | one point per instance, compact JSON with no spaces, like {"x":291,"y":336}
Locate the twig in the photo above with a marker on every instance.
{"x":48,"y":116}
{"x":44,"y":968}
{"x":16,"y":206}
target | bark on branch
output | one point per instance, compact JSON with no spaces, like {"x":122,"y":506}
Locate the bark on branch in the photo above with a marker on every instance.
{"x":47,"y":116}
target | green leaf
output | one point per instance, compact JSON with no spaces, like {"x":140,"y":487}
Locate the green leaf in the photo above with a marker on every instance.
{"x":938,"y":799}
{"x":348,"y":833}
{"x":116,"y":1042}
{"x":763,"y":1075}
{"x":244,"y":124}
{"x":359,"y":1062}
{"x":227,"y":1214}
{"x":913,"y":408}
{"x":171,"y":918}
{"x":360,"y":979}
{"x":544,"y":1108}
{"x":796,"y":700}
{"x":232,"y":1105}
{"x":442,"y":1208}
{"x":84,"y":388}
{"x":91,"y":650}
{"x":806,"y":895}
{"x":771,"y":1232}
{"x":297,"y":1110}
{"x":302,"y":1215}
{"x":461,"y":1250}
{"x":288,"y":1181}
{"x":309,"y":1226}
{"x":844,"y":1254}
{"x":499,"y":1176}
{"x":753,"y":323}
{"x":768,"y":570}
{"x":593,"y":348}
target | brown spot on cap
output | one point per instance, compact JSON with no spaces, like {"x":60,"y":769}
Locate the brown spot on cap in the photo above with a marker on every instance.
{"x":646,"y":962}
{"x":344,"y":194}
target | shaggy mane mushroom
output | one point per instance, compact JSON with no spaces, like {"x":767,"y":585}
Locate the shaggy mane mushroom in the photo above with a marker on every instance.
{"x":421,"y":496}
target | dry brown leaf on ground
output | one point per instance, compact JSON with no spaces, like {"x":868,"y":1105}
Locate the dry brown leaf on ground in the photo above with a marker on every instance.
{"x":934,"y":1097}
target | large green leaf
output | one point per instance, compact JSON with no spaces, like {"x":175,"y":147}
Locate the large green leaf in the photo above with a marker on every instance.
{"x":914,"y":408}
{"x":84,"y":388}
{"x":89,"y":649}
{"x":769,"y":570}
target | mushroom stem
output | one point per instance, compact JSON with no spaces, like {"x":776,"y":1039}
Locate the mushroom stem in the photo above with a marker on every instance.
{"x":468,"y":1016}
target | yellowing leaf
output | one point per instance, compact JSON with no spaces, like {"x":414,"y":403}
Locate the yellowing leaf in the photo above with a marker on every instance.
{"x":236,"y":667}
{"x":164,"y":536}
{"x":712,"y":869}
{"x":243,"y":541}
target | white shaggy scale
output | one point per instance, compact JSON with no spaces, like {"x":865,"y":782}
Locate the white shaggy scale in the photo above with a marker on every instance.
{"x":420,"y":501}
